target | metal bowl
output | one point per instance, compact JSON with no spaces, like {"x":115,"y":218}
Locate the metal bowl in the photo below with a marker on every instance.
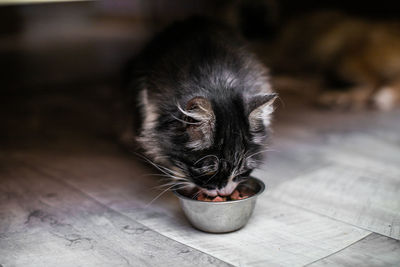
{"x":221,"y":217}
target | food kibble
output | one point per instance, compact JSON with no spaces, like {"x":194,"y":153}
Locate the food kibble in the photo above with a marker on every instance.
{"x":236,"y":195}
{"x":219,"y":199}
{"x":202,"y":197}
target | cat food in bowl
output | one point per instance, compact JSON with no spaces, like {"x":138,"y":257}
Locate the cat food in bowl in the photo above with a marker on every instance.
{"x":236,"y":195}
{"x":222,"y":214}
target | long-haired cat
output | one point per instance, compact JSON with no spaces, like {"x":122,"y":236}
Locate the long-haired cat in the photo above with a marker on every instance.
{"x":205,"y":105}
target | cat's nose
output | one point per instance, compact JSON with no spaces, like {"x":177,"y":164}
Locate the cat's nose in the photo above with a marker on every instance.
{"x":228,"y":189}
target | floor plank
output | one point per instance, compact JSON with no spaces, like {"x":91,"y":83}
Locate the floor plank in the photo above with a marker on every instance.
{"x":375,"y":250}
{"x":359,"y":197}
{"x":45,"y":222}
{"x":341,"y":165}
{"x":332,"y":179}
{"x":352,"y":177}
{"x":278,"y":234}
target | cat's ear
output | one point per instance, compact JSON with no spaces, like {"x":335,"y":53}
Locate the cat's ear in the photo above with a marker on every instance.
{"x":200,"y":119}
{"x":260,"y":108}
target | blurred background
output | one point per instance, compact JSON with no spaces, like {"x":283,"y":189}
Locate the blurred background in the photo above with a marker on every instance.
{"x":60,"y":61}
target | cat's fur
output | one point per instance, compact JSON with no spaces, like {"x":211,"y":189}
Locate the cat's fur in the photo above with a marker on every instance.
{"x":205,"y":105}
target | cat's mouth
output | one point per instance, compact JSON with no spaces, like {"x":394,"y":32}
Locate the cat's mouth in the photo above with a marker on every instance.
{"x":211,"y":193}
{"x":223,"y":192}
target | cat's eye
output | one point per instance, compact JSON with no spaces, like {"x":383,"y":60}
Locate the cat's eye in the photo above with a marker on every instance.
{"x":207,"y":170}
{"x":245,"y":174}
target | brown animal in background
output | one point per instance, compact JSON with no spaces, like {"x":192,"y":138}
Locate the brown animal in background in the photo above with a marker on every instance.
{"x":358,"y":58}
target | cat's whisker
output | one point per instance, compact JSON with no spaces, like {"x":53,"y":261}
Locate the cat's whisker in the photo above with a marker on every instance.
{"x":212,"y":176}
{"x":170,"y":179}
{"x":163,"y":169}
{"x":171,"y":183}
{"x":190,"y":114}
{"x":206,"y":169}
{"x":205,"y":158}
{"x":169,"y":170}
{"x":158,"y":196}
{"x":186,"y":122}
{"x":151,"y":162}
{"x":262,"y":151}
{"x":157,"y":175}
{"x":282,"y":102}
{"x":175,"y":173}
{"x":163,"y":192}
{"x":195,"y":195}
{"x":260,"y":161}
{"x":182,"y":187}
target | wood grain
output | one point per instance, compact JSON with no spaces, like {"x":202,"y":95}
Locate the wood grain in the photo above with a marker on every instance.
{"x":374,"y":250}
{"x":77,"y":199}
{"x":45,"y":222}
{"x":356,"y":185}
{"x":341,"y":165}
{"x":277,"y":235}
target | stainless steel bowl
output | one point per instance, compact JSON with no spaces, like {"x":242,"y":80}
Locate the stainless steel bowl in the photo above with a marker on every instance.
{"x":221,"y":217}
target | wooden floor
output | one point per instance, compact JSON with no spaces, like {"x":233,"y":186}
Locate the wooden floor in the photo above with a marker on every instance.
{"x":69,"y":198}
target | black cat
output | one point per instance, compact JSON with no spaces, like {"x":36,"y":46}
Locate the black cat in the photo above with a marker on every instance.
{"x":205,"y":105}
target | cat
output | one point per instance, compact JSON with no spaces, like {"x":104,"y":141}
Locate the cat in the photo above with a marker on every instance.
{"x":358,"y":58}
{"x":205,"y":105}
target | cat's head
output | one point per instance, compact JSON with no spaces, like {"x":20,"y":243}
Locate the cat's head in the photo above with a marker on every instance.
{"x":216,"y":143}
